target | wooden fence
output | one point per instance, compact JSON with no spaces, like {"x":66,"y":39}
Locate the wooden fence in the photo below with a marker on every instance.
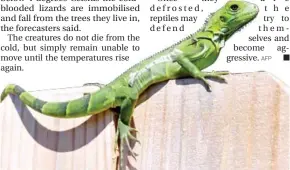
{"x":240,"y":125}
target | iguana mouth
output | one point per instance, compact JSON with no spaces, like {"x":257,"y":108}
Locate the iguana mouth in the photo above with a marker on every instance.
{"x":246,"y":21}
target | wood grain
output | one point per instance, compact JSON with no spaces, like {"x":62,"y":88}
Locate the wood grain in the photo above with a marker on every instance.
{"x":240,"y":125}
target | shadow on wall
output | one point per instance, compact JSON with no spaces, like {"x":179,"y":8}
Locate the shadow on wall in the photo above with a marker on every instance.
{"x":51,"y":139}
{"x":59,"y":140}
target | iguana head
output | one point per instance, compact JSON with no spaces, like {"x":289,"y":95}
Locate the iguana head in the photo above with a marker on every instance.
{"x":231,"y":17}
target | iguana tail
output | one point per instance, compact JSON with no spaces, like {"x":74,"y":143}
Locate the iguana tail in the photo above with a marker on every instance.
{"x":87,"y":105}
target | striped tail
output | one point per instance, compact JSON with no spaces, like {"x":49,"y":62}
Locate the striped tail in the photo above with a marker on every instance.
{"x":87,"y":105}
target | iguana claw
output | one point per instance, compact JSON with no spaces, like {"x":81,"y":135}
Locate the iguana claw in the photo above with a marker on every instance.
{"x":202,"y":78}
{"x":218,"y":75}
{"x":133,"y":138}
{"x":124,"y":131}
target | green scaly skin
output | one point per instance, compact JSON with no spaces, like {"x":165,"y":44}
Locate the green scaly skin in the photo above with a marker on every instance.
{"x":184,"y":59}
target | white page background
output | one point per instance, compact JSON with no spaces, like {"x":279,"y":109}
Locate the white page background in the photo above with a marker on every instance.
{"x":48,"y":75}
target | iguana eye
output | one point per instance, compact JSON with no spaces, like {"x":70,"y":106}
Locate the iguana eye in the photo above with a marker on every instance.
{"x":234,"y":7}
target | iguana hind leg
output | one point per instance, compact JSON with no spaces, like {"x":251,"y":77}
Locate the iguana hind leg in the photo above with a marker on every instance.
{"x":124,"y":130}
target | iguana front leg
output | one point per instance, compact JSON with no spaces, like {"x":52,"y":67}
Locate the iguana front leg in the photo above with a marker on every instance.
{"x":202,"y":49}
{"x":216,"y":74}
{"x":196,"y":73}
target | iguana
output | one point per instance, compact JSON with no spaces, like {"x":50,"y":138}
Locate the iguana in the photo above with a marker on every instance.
{"x":184,"y":59}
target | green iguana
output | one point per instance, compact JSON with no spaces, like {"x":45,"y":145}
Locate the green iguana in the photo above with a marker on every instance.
{"x":184,"y":59}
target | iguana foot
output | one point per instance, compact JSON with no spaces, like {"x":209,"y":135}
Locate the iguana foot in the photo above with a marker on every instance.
{"x":218,"y":75}
{"x":201,"y":77}
{"x":124,"y":131}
